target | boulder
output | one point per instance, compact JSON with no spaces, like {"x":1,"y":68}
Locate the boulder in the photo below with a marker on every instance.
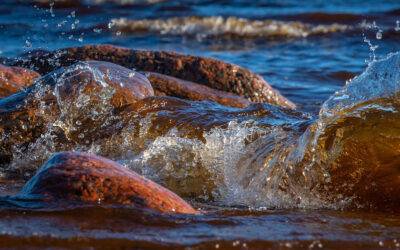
{"x":75,"y":104}
{"x":82,"y":177}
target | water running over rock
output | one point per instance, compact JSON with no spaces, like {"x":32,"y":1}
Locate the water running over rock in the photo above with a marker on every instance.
{"x":260,"y":156}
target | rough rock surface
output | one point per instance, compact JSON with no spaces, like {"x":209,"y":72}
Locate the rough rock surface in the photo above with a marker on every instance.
{"x":13,"y":79}
{"x":172,"y":86}
{"x":81,"y":177}
{"x":207,"y":71}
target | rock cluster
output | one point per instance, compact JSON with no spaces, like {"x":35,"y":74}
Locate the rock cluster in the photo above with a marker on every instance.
{"x":80,"y":100}
{"x":210,"y":72}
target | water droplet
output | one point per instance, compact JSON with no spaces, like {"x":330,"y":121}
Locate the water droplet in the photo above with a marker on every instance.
{"x":379,"y":35}
{"x":28,"y":44}
{"x":118,"y":33}
{"x":397,"y":28}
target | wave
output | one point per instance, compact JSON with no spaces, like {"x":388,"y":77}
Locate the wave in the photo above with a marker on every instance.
{"x":217,"y":26}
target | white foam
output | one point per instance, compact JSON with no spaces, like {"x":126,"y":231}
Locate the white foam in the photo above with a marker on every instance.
{"x":221,"y":26}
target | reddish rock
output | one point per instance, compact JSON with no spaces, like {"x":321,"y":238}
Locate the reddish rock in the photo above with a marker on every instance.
{"x":81,"y":177}
{"x":93,"y":77}
{"x":213,"y":73}
{"x":79,"y":102}
{"x":171,"y":86}
{"x":13,"y":79}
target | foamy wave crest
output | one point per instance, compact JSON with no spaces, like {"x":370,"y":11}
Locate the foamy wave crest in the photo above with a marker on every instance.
{"x":220,"y":26}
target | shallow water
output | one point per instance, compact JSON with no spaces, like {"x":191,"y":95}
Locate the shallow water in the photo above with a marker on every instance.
{"x":315,"y":49}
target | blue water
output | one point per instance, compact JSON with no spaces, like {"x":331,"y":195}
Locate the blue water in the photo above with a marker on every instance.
{"x":305,"y":68}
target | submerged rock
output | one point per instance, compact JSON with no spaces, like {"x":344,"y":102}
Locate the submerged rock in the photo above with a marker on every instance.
{"x":213,"y":73}
{"x":81,"y":177}
{"x":172,"y":86}
{"x":13,"y":79}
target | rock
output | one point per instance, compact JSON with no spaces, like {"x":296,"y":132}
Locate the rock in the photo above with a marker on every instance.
{"x":359,"y":149}
{"x":13,"y":79}
{"x":75,"y":104}
{"x":81,"y":177}
{"x":91,"y":77}
{"x":213,"y":73}
{"x":171,"y":86}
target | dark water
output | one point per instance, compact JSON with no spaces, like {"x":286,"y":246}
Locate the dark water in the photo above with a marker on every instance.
{"x":331,"y":42}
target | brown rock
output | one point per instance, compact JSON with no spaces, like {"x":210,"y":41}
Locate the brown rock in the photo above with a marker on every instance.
{"x":213,"y":73}
{"x":83,"y":98}
{"x":13,"y":79}
{"x":171,"y":86}
{"x":81,"y":177}
{"x":91,"y":77}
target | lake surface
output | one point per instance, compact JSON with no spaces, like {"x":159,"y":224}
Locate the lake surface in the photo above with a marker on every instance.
{"x":305,"y":49}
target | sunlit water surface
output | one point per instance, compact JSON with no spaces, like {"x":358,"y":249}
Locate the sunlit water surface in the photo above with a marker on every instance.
{"x":308,"y":61}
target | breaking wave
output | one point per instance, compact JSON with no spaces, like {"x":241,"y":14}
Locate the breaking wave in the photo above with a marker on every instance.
{"x":217,"y":26}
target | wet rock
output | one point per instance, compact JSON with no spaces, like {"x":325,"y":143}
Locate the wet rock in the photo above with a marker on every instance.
{"x":171,"y":86}
{"x":91,"y":77}
{"x":74,"y":105}
{"x":81,"y":177}
{"x":213,"y":73}
{"x":360,"y":152}
{"x":13,"y":79}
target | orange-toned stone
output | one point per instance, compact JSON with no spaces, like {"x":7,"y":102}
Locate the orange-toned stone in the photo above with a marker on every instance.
{"x":172,"y":86}
{"x":13,"y":79}
{"x":82,"y":177}
{"x":88,"y":93}
{"x":211,"y":72}
{"x":91,"y":77}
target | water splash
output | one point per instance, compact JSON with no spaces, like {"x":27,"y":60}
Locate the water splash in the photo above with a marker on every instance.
{"x":379,"y":80}
{"x":261,"y":157}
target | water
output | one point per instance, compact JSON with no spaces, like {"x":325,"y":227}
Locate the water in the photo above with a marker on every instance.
{"x":268,"y":177}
